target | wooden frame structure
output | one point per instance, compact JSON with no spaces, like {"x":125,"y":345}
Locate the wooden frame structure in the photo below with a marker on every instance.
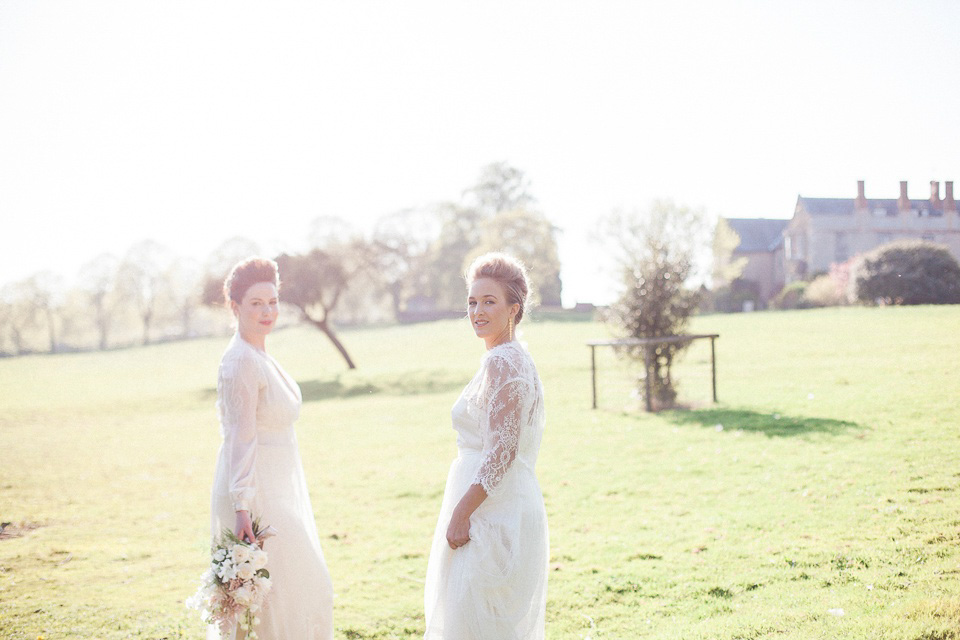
{"x":647,"y":343}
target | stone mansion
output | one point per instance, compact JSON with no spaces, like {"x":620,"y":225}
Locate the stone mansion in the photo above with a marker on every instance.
{"x":824,"y":231}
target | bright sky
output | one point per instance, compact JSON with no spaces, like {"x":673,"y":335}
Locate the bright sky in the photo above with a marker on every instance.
{"x":191,"y":122}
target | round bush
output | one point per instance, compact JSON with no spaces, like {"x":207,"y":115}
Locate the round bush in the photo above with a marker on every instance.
{"x":823,"y":291}
{"x":908,"y":272}
{"x":791,"y":296}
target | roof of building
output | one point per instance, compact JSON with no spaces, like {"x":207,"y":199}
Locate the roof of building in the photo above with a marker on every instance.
{"x":758,"y":234}
{"x":845,"y":206}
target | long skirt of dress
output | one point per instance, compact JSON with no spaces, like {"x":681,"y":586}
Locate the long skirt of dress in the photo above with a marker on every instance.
{"x":495,"y":586}
{"x":300,"y":603}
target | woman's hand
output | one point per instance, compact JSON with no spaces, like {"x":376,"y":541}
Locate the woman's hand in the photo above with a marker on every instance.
{"x":244,"y":528}
{"x":458,"y":532}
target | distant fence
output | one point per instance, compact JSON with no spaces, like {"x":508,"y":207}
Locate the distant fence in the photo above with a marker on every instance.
{"x":648,"y":343}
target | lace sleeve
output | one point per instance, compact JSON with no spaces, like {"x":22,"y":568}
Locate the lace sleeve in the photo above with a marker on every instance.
{"x":503,"y":396}
{"x":238,"y":390}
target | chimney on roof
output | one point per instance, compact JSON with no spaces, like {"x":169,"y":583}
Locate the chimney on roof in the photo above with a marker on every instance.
{"x":935,"y":193}
{"x":904,"y":202}
{"x":949,"y":204}
{"x":861,"y":201}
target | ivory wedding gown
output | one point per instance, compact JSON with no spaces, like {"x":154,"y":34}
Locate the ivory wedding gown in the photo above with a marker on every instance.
{"x":495,"y":586}
{"x":259,"y":469}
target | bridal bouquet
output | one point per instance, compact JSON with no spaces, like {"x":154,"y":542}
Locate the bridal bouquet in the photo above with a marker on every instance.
{"x":234,"y":587}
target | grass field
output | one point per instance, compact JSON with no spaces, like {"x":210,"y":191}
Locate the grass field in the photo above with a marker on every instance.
{"x":819,"y":499}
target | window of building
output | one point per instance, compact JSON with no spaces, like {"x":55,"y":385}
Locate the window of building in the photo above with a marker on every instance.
{"x":840,"y":249}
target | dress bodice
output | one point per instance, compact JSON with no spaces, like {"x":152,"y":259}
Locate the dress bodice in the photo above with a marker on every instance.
{"x":245,"y":369}
{"x":500,"y":413}
{"x":257,"y":403}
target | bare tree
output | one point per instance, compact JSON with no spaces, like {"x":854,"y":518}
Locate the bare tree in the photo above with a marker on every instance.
{"x":141,"y":280}
{"x":6,"y":319}
{"x":399,"y":253}
{"x":184,"y":290}
{"x":30,"y":311}
{"x":98,"y":281}
{"x":44,"y":291}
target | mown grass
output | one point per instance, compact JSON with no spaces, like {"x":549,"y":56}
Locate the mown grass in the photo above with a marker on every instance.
{"x":825,"y":480}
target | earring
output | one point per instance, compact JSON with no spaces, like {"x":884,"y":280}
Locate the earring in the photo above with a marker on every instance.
{"x":510,"y":324}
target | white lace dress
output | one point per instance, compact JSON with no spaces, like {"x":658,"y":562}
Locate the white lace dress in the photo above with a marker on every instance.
{"x":259,"y":469}
{"x":495,"y":586}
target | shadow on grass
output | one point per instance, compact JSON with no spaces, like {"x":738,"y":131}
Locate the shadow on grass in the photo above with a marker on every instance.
{"x":406,"y":384}
{"x":773,"y":425}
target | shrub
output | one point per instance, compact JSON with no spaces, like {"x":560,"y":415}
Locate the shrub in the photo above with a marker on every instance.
{"x":823,"y":291}
{"x":791,"y":296}
{"x":907,"y":272}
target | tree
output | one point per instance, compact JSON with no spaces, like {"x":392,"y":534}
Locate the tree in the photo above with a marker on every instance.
{"x":98,"y":280}
{"x":530,"y":237}
{"x":460,"y":229}
{"x":656,"y":251}
{"x":314,"y":283}
{"x":908,"y":272}
{"x":183,"y":282}
{"x":44,"y":292}
{"x":218,"y":265}
{"x":399,"y":253}
{"x":17,"y":316}
{"x":500,"y":187}
{"x":141,"y":280}
{"x":726,"y":268}
{"x":20,"y":315}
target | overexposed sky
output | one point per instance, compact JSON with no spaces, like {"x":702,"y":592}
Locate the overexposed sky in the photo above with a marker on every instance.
{"x":191,"y":122}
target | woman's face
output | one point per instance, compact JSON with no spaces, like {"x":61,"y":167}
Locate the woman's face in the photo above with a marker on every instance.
{"x":489,"y":311}
{"x":257,"y":312}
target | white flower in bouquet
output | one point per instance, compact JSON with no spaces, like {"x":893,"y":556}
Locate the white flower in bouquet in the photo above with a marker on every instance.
{"x":240,"y":553}
{"x":246,"y":571}
{"x":259,"y":559}
{"x":244,"y":596}
{"x":227,"y":571}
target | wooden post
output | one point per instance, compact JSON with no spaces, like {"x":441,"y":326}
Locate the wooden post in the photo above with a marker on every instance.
{"x":646,"y":378}
{"x":713,"y":367}
{"x":593,"y":372}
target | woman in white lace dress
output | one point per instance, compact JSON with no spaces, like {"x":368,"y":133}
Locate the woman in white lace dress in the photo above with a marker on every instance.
{"x":259,"y":471}
{"x":487,"y":573}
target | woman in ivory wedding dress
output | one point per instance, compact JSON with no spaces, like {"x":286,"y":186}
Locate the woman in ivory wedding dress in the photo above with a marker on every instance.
{"x":487,"y":573}
{"x":259,"y":471}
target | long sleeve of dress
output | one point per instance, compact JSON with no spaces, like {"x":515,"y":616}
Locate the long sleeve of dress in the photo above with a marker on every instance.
{"x":238,"y":390}
{"x":504,"y":394}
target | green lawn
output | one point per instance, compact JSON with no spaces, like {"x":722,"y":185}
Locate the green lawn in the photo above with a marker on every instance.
{"x":825,"y":480}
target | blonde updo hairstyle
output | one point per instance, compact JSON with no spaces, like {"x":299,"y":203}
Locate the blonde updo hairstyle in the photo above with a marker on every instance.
{"x":247,"y":273}
{"x":509,"y":272}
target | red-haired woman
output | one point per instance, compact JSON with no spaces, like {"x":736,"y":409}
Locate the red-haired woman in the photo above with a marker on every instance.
{"x":259,"y":470}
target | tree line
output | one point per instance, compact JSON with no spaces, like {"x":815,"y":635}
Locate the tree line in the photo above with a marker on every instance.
{"x":407,"y":267}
